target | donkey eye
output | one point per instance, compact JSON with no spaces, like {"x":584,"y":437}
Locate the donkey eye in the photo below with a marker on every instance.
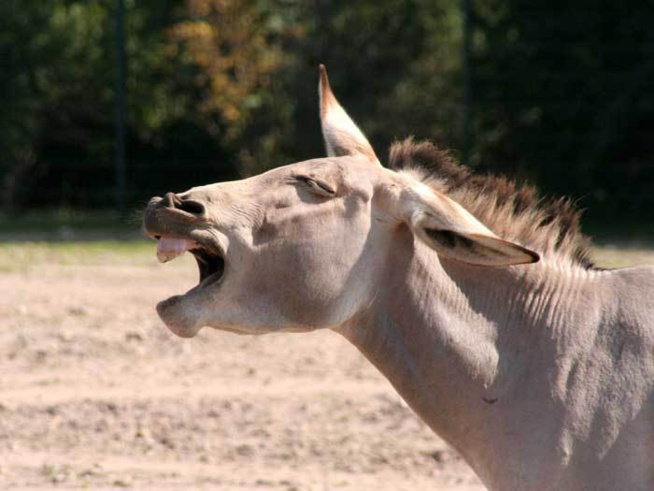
{"x":318,"y":187}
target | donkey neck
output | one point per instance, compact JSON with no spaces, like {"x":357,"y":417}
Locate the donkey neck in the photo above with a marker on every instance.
{"x":462,"y":345}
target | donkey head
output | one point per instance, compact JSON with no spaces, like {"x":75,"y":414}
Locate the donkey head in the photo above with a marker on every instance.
{"x":304,"y":246}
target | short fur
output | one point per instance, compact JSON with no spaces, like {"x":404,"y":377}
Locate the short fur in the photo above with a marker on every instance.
{"x":566,"y":355}
{"x":511,"y":210}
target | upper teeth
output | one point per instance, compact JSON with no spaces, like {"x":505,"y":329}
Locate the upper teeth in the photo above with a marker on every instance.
{"x":169,"y":248}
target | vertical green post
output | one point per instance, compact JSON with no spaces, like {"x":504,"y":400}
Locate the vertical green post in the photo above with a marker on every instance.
{"x":467,"y":80}
{"x":121,"y":111}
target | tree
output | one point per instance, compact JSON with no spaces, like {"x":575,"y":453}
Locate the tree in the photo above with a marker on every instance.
{"x":561,"y":96}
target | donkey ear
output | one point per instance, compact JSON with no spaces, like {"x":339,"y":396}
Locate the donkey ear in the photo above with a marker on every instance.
{"x":477,"y":249}
{"x":341,"y":134}
{"x":453,"y":232}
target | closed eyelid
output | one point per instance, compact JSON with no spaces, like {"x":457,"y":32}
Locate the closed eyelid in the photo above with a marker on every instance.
{"x":316,"y":184}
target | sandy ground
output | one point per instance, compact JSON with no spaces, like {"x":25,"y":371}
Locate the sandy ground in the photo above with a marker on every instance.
{"x":95,"y":393}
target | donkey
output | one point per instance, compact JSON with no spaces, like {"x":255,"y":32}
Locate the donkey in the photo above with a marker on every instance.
{"x":475,"y":299}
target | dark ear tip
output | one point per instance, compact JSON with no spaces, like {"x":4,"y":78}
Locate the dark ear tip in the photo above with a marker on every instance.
{"x":535,"y":257}
{"x":325,"y":89}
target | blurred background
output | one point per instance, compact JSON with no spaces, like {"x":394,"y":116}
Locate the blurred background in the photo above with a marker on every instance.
{"x":106,"y":103}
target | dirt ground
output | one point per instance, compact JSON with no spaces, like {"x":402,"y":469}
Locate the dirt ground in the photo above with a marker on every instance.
{"x":95,"y":393}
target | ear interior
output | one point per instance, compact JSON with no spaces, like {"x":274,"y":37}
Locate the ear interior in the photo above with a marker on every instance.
{"x":478,"y":249}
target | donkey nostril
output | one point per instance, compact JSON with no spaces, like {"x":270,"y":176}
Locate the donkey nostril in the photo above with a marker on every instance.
{"x":193,"y":207}
{"x":170,"y":200}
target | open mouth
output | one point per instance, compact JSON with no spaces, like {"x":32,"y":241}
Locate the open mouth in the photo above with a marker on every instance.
{"x":211,"y":265}
{"x":210,"y":259}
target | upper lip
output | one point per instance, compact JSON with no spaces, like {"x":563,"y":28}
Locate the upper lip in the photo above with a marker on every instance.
{"x":162,"y":221}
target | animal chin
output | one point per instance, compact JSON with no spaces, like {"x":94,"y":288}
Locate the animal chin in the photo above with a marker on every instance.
{"x":173,"y":315}
{"x":176,"y":312}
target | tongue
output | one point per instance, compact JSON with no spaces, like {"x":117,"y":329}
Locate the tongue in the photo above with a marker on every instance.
{"x":169,"y":248}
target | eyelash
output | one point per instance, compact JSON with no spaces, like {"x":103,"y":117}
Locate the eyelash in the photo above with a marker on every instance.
{"x":317,"y":186}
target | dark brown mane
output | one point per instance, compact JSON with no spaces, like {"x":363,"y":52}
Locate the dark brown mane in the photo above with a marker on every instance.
{"x":513,"y":211}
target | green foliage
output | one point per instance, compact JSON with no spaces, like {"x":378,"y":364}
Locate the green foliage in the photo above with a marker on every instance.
{"x":563,"y":95}
{"x":220,"y":87}
{"x":26,"y":47}
{"x":395,"y":67}
{"x":57,"y":141}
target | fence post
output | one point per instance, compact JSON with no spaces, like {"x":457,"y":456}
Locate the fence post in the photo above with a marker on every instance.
{"x":467,"y":81}
{"x":121,"y":111}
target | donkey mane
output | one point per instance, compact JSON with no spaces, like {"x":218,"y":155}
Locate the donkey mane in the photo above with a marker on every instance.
{"x":512,"y":210}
